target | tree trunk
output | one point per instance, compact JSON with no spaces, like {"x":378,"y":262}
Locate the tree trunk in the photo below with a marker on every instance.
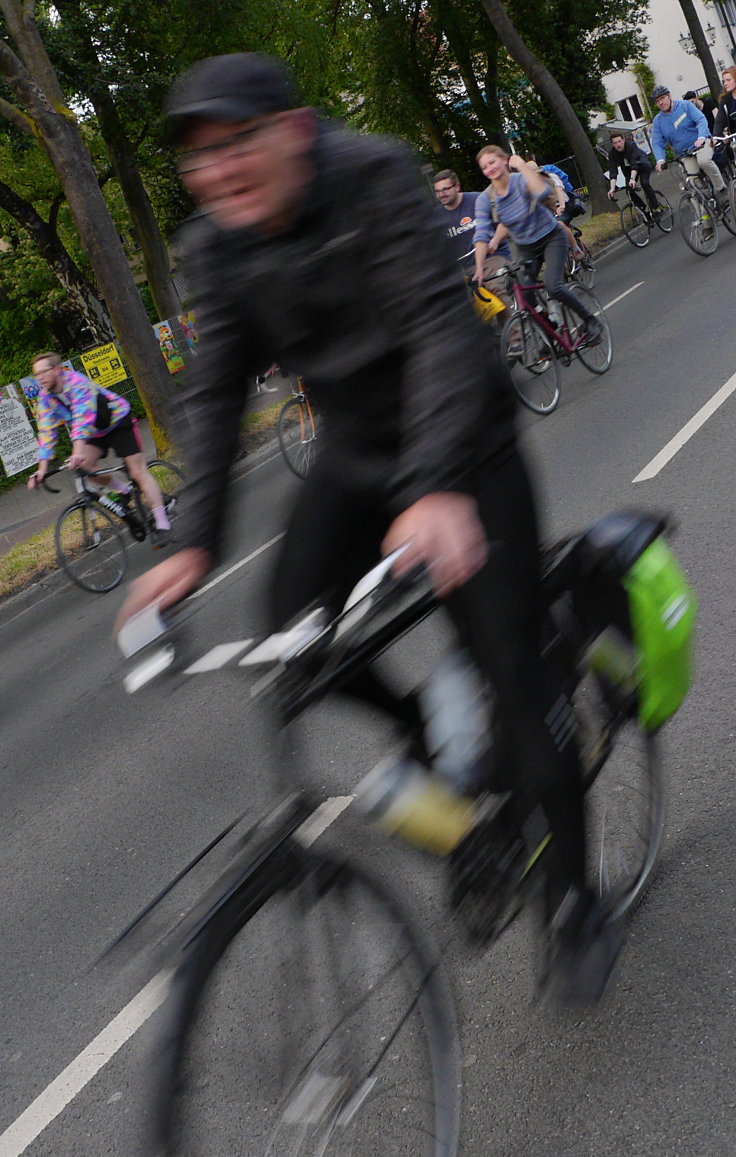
{"x":155,"y":255}
{"x":695,"y":29}
{"x":36,"y":85}
{"x":543,"y":80}
{"x":51,"y":248}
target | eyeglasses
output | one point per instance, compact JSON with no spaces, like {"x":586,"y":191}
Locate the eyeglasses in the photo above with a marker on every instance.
{"x":238,"y":145}
{"x":446,"y":189}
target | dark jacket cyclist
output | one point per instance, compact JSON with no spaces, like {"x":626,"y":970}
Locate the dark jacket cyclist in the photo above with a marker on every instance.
{"x":319,"y":248}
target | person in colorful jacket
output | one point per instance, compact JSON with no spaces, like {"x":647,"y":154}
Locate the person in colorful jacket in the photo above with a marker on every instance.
{"x":98,"y":421}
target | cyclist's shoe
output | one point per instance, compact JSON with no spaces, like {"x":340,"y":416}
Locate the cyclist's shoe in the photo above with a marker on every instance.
{"x":593,"y":331}
{"x":584,"y":942}
{"x":722,"y":199}
{"x":160,"y":537}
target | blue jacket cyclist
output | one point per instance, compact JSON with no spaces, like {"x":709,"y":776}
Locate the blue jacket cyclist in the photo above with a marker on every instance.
{"x":682,"y":125}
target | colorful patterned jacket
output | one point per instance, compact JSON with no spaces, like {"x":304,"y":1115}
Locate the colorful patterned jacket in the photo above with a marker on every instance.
{"x":82,"y":404}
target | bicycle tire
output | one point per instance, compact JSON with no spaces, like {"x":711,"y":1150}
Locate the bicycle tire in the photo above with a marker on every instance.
{"x":732,"y":197}
{"x":664,"y":220}
{"x":325,"y":1028}
{"x":171,"y":484}
{"x":596,"y":358}
{"x":728,"y":217}
{"x":698,"y":228}
{"x":585,"y":270}
{"x":90,"y":547}
{"x":532,"y":362}
{"x":625,"y":797}
{"x":635,"y":225}
{"x":297,"y":435}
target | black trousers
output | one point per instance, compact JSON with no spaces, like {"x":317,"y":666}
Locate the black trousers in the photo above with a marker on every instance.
{"x":334,"y":537}
{"x":552,"y":250}
{"x":645,"y":181}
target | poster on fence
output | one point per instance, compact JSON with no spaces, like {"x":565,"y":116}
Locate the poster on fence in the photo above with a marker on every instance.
{"x":172,"y":357}
{"x":18,"y":447}
{"x":103,"y":365}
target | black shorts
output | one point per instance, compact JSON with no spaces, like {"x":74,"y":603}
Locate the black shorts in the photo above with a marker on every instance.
{"x":124,"y":439}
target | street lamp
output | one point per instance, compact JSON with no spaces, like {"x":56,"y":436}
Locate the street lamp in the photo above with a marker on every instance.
{"x":687,"y":44}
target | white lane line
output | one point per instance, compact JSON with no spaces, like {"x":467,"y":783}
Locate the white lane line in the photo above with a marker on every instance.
{"x":231,"y":570}
{"x":56,"y":1096}
{"x":685,"y":434}
{"x":54,"y":1099}
{"x":621,"y":296}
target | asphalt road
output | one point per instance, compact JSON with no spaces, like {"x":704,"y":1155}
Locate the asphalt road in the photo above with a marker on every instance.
{"x":106,"y":796}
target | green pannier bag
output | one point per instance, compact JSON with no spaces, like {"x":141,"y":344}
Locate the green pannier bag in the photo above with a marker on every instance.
{"x":662,"y":611}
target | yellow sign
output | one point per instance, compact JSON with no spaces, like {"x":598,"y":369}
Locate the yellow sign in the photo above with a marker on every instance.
{"x":104,"y":365}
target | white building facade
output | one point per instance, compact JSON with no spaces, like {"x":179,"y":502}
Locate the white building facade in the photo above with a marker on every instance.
{"x":671,"y":54}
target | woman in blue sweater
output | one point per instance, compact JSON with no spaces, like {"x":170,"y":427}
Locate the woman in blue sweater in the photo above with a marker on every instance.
{"x":512,"y":207}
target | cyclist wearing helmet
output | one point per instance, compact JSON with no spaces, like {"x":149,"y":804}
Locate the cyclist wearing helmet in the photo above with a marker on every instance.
{"x":683,"y":126}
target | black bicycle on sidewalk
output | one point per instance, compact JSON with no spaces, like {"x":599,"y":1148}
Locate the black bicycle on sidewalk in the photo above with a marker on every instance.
{"x":90,"y":532}
{"x":308,"y":1015}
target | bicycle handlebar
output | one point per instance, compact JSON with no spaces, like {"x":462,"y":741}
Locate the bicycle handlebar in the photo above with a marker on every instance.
{"x":305,"y":660}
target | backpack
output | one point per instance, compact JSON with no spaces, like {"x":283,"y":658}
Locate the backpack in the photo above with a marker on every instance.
{"x":558,"y":172}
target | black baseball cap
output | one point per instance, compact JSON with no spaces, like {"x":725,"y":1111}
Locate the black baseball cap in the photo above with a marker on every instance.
{"x":235,"y":87}
{"x":689,"y":95}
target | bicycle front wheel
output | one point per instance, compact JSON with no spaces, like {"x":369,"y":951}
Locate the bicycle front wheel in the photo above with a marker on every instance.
{"x":90,"y":548}
{"x":635,"y":225}
{"x":625,"y":800}
{"x":297,"y":435}
{"x":697,"y":224}
{"x":532,"y":362}
{"x":664,"y":219}
{"x":596,"y":358}
{"x":171,"y":484}
{"x":324,"y":1029}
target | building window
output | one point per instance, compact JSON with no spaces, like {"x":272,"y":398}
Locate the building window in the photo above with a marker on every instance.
{"x":630,"y":108}
{"x":726,"y":10}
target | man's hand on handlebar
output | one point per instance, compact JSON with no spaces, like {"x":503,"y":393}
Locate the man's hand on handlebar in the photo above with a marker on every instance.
{"x":443,"y":531}
{"x":167,"y":584}
{"x":37,"y":478}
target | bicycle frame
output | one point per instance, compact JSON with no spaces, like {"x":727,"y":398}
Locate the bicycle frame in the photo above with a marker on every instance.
{"x":561,"y":337}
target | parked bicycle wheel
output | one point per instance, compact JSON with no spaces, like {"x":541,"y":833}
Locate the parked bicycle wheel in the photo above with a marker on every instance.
{"x":90,"y":547}
{"x":297,"y":434}
{"x":324,"y":1028}
{"x":625,"y":801}
{"x":698,"y":226}
{"x":635,"y":225}
{"x":596,"y":358}
{"x":171,"y":483}
{"x":532,"y":362}
{"x":665,"y":218}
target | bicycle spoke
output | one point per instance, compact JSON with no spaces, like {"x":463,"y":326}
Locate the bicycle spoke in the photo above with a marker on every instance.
{"x":90,"y":548}
{"x":532,"y":362}
{"x":324,"y":1032}
{"x":697,"y":225}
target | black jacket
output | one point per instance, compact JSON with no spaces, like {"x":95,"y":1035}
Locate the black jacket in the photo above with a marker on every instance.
{"x":363,"y":297}
{"x":632,"y":157}
{"x":725,"y":119}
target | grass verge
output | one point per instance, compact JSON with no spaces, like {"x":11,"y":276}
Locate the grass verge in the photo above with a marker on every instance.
{"x":600,"y":230}
{"x":27,"y":562}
